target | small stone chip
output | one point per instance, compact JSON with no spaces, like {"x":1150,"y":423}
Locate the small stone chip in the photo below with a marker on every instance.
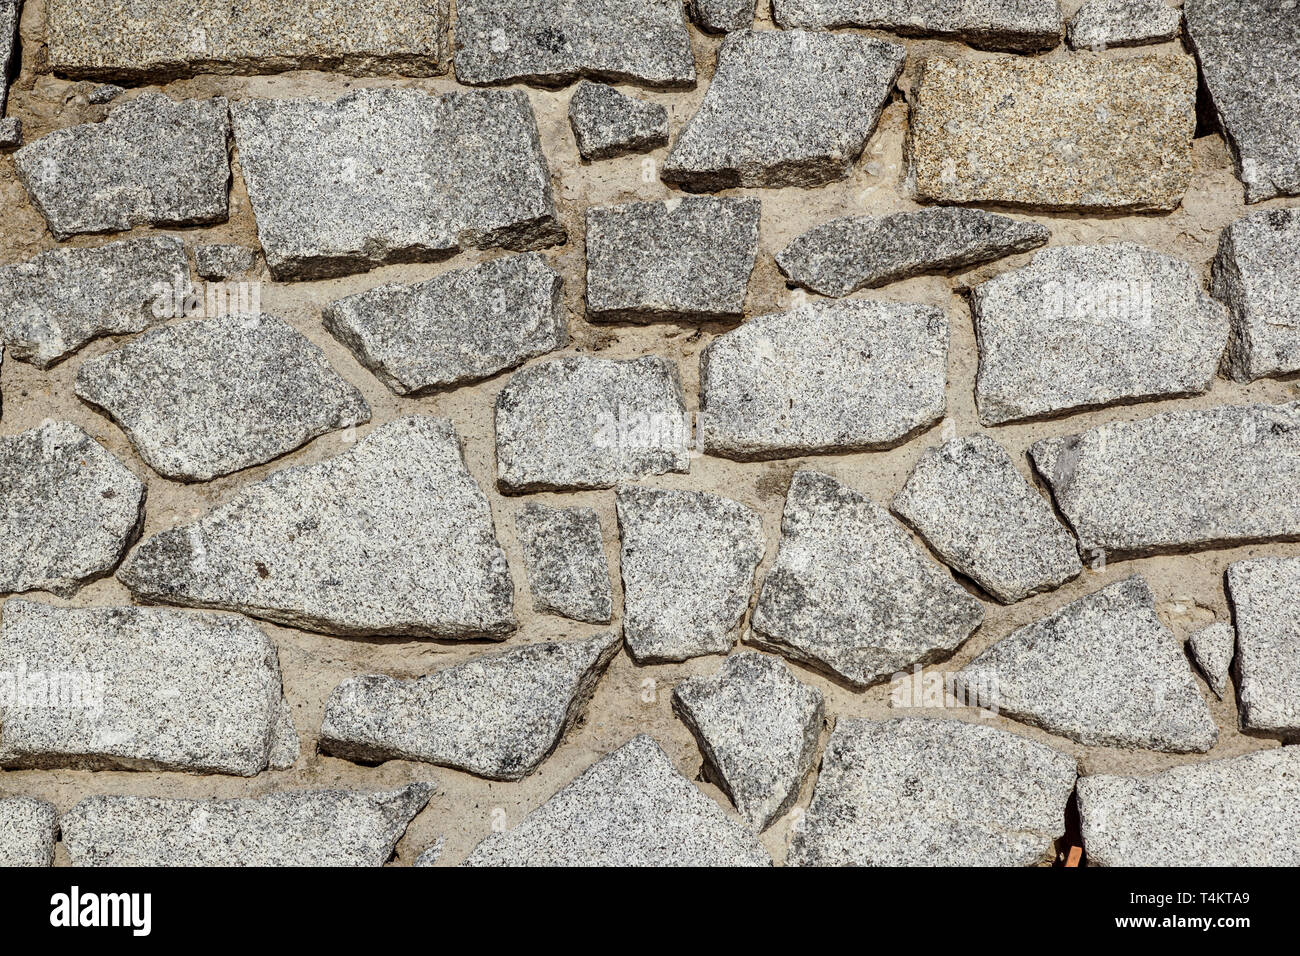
{"x":606,"y":123}
{"x":688,"y":561}
{"x":28,"y":830}
{"x":11,"y":133}
{"x":1212,"y":649}
{"x":722,"y":16}
{"x":564,"y":551}
{"x":1257,"y":275}
{"x":1026,"y":26}
{"x":219,"y":260}
{"x":1265,"y":595}
{"x":1099,"y":24}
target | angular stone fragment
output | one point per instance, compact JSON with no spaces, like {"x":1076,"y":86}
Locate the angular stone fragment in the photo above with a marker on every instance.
{"x":555,"y":42}
{"x":630,"y":808}
{"x":1257,"y":275}
{"x":565,"y":555}
{"x":497,"y":716}
{"x":758,"y":729}
{"x":1086,"y":326}
{"x":1102,"y":670}
{"x":11,"y":133}
{"x":721,"y":16}
{"x":10,"y":11}
{"x":581,"y":423}
{"x":164,"y":39}
{"x":28,"y":830}
{"x":219,"y":260}
{"x":688,"y":561}
{"x":460,"y":327}
{"x":110,"y":176}
{"x":1099,"y":24}
{"x":286,"y":828}
{"x":52,"y":305}
{"x":392,"y":537}
{"x":1027,"y":26}
{"x":68,"y":509}
{"x":851,"y":594}
{"x":393,"y":175}
{"x":928,"y":792}
{"x":104,"y":93}
{"x":683,"y":259}
{"x":785,"y":108}
{"x":826,"y":378}
{"x":1249,"y":54}
{"x":1192,"y":479}
{"x":607,"y":123}
{"x":430,"y":856}
{"x":1243,"y":811}
{"x":208,"y":397}
{"x":141,"y":689}
{"x":1084,"y":132}
{"x":981,"y":516}
{"x":1212,"y":649}
{"x":1265,"y":595}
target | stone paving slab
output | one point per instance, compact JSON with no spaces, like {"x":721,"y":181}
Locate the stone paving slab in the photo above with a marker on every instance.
{"x":1026,"y":26}
{"x":1100,"y":24}
{"x":722,"y":16}
{"x":28,"y":831}
{"x":1265,"y":596}
{"x":1212,"y":649}
{"x":564,"y":551}
{"x":607,"y":123}
{"x":1257,"y":275}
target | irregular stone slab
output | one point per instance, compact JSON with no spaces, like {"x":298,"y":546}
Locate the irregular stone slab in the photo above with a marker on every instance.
{"x":1212,"y":649}
{"x":683,"y":259}
{"x":11,"y":133}
{"x":1249,"y":54}
{"x":1265,"y":595}
{"x":929,"y":792}
{"x":1243,"y":811}
{"x":68,"y":509}
{"x":52,"y":305}
{"x":688,"y":561}
{"x":460,"y":327}
{"x":1027,"y":26}
{"x":209,"y":397}
{"x":152,"y":40}
{"x":860,"y":252}
{"x":1099,"y":24}
{"x":10,"y":11}
{"x":110,"y":176}
{"x":721,"y":16}
{"x":1182,"y":480}
{"x":1257,"y":275}
{"x":497,"y":716}
{"x":1103,"y":671}
{"x":607,"y":123}
{"x":219,"y":260}
{"x":288,"y":828}
{"x":554,"y":42}
{"x":386,"y":176}
{"x":827,"y":378}
{"x":806,"y":129}
{"x":757,"y":727}
{"x":1065,"y":134}
{"x":393,"y":537}
{"x":141,"y":689}
{"x":581,"y":423}
{"x":28,"y":830}
{"x":565,"y":555}
{"x":630,"y":808}
{"x":981,"y":516}
{"x":851,"y":594}
{"x":1087,"y":326}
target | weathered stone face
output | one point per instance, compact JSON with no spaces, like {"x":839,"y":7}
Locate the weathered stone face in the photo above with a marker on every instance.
{"x":1099,"y":24}
{"x":9,"y":14}
{"x":606,"y":123}
{"x":221,"y":260}
{"x":1257,"y":275}
{"x":565,"y":554}
{"x":722,"y":16}
{"x":1212,"y":648}
{"x":1027,"y":26}
{"x":28,"y":831}
{"x":1265,"y":595}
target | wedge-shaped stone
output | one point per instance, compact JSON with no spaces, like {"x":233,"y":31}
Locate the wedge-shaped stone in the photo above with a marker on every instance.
{"x":1102,"y":670}
{"x":1181,"y":480}
{"x":688,"y":563}
{"x":579,"y":422}
{"x":785,"y":108}
{"x":392,"y":537}
{"x":929,"y":792}
{"x":1212,"y":649}
{"x":722,"y":16}
{"x":1027,"y":26}
{"x":68,"y":509}
{"x":383,"y":176}
{"x":606,"y":123}
{"x":114,"y":175}
{"x":1085,"y":132}
{"x":758,"y":729}
{"x":1257,"y":275}
{"x":564,"y":551}
{"x":497,"y":716}
{"x":461,"y":327}
{"x":28,"y":830}
{"x":826,"y":378}
{"x":1099,"y":24}
{"x":288,"y":828}
{"x":850,"y":593}
{"x":630,"y":808}
{"x":1265,"y":595}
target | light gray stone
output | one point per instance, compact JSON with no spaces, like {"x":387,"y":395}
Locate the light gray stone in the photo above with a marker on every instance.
{"x":928,"y":792}
{"x":1099,"y":24}
{"x":826,"y":378}
{"x":606,"y":123}
{"x":1265,"y":596}
{"x":722,"y":16}
{"x":684,"y":259}
{"x":114,"y":175}
{"x":393,"y":537}
{"x":221,"y":260}
{"x":10,"y":12}
{"x":1102,"y":670}
{"x":564,"y":551}
{"x":104,"y":93}
{"x":460,"y":327}
{"x":430,"y":856}
{"x":687,"y":563}
{"x":383,"y":176}
{"x":972,"y":506}
{"x":11,"y":133}
{"x":630,"y":808}
{"x":68,"y":509}
{"x":851,"y":594}
{"x":1212,"y":649}
{"x":582,"y":423}
{"x":286,"y":828}
{"x":758,"y":728}
{"x":496,"y":716}
{"x":141,"y":689}
{"x":1257,"y":275}
{"x":785,"y":108}
{"x":28,"y":830}
{"x":1027,"y":26}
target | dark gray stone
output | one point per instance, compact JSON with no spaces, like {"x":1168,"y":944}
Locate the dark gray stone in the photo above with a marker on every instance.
{"x":1257,"y":275}
{"x":1265,"y":596}
{"x":219,"y":260}
{"x":564,"y":551}
{"x":28,"y":831}
{"x":606,"y":123}
{"x":1099,"y":24}
{"x":722,"y":16}
{"x":1212,"y":648}
{"x":1026,"y":26}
